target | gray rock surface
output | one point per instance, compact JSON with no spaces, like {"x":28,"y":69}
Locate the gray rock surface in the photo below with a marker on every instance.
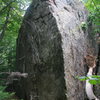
{"x":51,"y":47}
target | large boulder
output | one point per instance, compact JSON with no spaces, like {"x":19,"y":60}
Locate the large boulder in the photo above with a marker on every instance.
{"x":51,"y":47}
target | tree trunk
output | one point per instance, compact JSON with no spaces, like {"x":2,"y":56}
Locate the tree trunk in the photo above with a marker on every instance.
{"x":51,"y":47}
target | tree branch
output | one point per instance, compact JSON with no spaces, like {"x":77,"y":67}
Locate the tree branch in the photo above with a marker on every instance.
{"x":15,"y":74}
{"x":12,"y":76}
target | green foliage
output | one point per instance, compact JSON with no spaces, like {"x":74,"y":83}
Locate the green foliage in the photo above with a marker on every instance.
{"x":7,"y":53}
{"x":93,"y":6}
{"x":11,"y":14}
{"x":94,"y":79}
{"x":5,"y":95}
{"x":84,"y":25}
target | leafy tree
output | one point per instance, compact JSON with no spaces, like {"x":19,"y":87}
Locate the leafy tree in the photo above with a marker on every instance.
{"x":93,"y":6}
{"x":11,"y":14}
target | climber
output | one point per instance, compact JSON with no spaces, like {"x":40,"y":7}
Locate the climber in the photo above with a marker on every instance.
{"x":91,"y":63}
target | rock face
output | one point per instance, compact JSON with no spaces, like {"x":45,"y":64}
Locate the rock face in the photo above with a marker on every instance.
{"x":51,"y":46}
